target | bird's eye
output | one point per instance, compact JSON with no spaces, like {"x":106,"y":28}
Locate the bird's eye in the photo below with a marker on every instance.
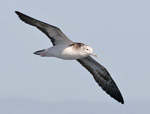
{"x":87,"y":49}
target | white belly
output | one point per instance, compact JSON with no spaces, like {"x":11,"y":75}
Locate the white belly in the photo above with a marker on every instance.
{"x":64,"y":52}
{"x":69,"y":53}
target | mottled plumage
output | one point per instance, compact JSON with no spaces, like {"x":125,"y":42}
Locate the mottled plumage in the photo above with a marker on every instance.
{"x":64,"y":48}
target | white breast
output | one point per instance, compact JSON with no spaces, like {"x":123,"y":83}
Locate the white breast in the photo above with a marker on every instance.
{"x":70,"y":53}
{"x":64,"y":52}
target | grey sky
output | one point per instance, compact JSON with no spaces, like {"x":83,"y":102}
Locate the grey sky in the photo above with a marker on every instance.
{"x":119,"y":32}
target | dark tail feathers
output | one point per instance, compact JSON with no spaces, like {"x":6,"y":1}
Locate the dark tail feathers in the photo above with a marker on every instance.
{"x":39,"y":52}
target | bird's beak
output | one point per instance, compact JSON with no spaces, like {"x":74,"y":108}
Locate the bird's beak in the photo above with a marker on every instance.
{"x":94,"y":55}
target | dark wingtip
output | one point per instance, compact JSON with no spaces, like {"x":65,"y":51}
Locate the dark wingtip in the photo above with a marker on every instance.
{"x":116,"y":95}
{"x":18,"y":13}
{"x":122,"y":101}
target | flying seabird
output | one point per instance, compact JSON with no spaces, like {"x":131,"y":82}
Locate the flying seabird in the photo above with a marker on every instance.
{"x":66,"y":49}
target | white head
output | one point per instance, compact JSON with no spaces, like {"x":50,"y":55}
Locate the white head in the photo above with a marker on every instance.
{"x":83,"y":50}
{"x":87,"y":50}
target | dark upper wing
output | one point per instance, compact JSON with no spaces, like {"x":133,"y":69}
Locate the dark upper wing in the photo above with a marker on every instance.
{"x":54,"y":33}
{"x":102,"y":77}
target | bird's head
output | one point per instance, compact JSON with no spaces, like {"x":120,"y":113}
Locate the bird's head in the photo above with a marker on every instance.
{"x":88,"y":50}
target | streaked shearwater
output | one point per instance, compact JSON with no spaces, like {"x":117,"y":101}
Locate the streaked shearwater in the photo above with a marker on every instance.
{"x":64,"y":48}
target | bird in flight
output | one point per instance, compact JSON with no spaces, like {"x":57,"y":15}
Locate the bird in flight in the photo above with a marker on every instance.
{"x":66,"y":49}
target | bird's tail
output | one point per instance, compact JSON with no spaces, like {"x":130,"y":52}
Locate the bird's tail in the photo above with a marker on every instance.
{"x":40,"y":52}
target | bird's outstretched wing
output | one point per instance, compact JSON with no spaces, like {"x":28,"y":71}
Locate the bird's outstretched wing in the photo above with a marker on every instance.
{"x":102,"y":77}
{"x":55,"y":34}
